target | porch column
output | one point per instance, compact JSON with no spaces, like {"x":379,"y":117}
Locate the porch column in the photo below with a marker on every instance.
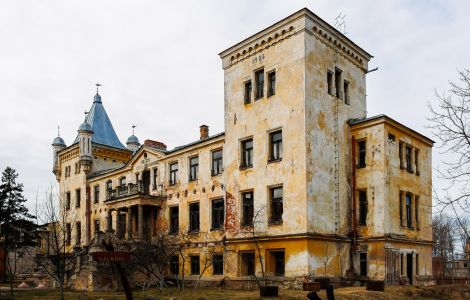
{"x":129,"y":223}
{"x":140,"y":221}
{"x":109,"y":221}
{"x":116,"y":223}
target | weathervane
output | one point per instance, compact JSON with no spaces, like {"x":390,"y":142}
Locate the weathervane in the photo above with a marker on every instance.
{"x":340,"y":24}
{"x":86,"y":113}
{"x":58,"y":130}
{"x":97,"y":86}
{"x":133,"y":127}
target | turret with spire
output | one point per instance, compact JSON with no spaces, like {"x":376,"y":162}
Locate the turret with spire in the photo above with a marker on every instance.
{"x":133,"y":143}
{"x":85,"y":134}
{"x":58,"y":144}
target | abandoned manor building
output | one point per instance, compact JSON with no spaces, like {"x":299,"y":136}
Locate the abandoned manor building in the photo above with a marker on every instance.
{"x":300,"y":170}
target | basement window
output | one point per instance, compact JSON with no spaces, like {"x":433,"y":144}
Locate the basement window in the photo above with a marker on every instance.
{"x":329,"y":82}
{"x":338,"y":73}
{"x":363,"y":207}
{"x":217,"y":264}
{"x":217,"y":214}
{"x":194,"y":217}
{"x":174,"y":265}
{"x":195,"y":265}
{"x":346,"y":92}
{"x":361,"y":152}
{"x":248,"y":91}
{"x":363,"y":263}
{"x":247,"y":266}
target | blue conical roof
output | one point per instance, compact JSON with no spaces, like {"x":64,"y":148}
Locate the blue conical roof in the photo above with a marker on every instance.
{"x":103,"y":131}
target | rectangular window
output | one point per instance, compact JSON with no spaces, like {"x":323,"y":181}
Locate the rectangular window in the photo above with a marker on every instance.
{"x":275,"y":145}
{"x":361,"y":154}
{"x":338,"y":82}
{"x":216,"y":162}
{"x":174,"y":219}
{"x":363,"y":207}
{"x":417,"y":161}
{"x":67,"y":200}
{"x":346,"y":92}
{"x":78,"y":236}
{"x":174,"y":265}
{"x":409,"y":222}
{"x":217,"y":264}
{"x":409,"y":168}
{"x":329,"y":82}
{"x":109,"y":185}
{"x":417,"y":211}
{"x":248,"y":208}
{"x":137,"y":178}
{"x":278,"y":262}
{"x":194,"y":217}
{"x":271,"y":83}
{"x":173,"y":173}
{"x":276,"y":205}
{"x":400,"y":154}
{"x":247,"y":153}
{"x":155,"y":175}
{"x":363,"y":263}
{"x":195,"y":265}
{"x":247,"y":263}
{"x":248,"y":90}
{"x":77,"y":197}
{"x":97,"y":225}
{"x":122,"y":181}
{"x":417,"y":264}
{"x":402,"y":264}
{"x":193,"y":168}
{"x":97,"y":193}
{"x":68,"y":233}
{"x":218,"y":214}
{"x":259,"y":81}
{"x":401,"y":208}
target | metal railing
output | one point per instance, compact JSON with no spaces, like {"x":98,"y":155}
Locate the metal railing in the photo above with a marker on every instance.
{"x":132,"y":189}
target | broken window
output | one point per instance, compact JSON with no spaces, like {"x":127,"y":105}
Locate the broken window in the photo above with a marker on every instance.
{"x":195,"y":265}
{"x":67,"y":200}
{"x":194,"y":217}
{"x":218,"y":214}
{"x":417,"y":161}
{"x":409,"y":168}
{"x":77,"y":197}
{"x":363,"y":263}
{"x":174,"y":219}
{"x":338,"y":82}
{"x":247,"y":263}
{"x":216,"y":162}
{"x":346,"y":92}
{"x":248,"y":209}
{"x":361,"y":159}
{"x":275,"y":145}
{"x":68,"y":233}
{"x":247,"y":153}
{"x":409,"y":222}
{"x":363,"y":207}
{"x":248,"y":90}
{"x":259,"y":81}
{"x":271,"y":83}
{"x":276,"y":205}
{"x":97,"y":193}
{"x":217,"y":264}
{"x":278,"y":262}
{"x":174,"y":265}
{"x":400,"y":153}
{"x":193,"y":168}
{"x":329,"y":82}
{"x":173,"y":173}
{"x":78,"y":236}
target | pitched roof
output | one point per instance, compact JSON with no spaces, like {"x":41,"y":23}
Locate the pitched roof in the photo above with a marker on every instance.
{"x":103,"y":131}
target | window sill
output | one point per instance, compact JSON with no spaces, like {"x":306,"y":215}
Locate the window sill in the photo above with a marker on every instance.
{"x":275,"y":223}
{"x":246,"y":226}
{"x":360,"y":166}
{"x":362,"y":225}
{"x":217,"y":229}
{"x":245,"y":167}
{"x":192,"y":180}
{"x":216,"y":174}
{"x":270,"y":161}
{"x":193,"y":232}
{"x":270,"y":95}
{"x":246,"y":103}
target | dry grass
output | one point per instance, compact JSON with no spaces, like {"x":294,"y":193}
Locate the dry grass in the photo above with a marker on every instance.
{"x":351,"y":293}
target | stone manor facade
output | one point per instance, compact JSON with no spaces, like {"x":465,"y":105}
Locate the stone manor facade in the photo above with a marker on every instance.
{"x":327,"y":190}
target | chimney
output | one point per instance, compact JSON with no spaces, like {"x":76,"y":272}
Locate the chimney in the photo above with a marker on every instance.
{"x":155,"y":144}
{"x":204,"y":130}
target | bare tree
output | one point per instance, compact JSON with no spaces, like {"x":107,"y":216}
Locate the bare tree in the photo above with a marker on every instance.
{"x":449,"y":123}
{"x":60,"y":259}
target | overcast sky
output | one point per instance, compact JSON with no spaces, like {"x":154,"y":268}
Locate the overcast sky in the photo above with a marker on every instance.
{"x":159,"y":66}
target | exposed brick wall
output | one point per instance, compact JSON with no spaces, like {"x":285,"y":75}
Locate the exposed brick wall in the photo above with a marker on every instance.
{"x":155,"y":144}
{"x":231,"y":216}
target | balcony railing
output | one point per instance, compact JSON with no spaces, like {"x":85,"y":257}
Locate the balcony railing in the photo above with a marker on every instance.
{"x":133,"y":189}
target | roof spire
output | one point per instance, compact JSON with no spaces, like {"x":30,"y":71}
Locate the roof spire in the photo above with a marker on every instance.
{"x":58,"y":130}
{"x":133,"y":127}
{"x":97,"y":96}
{"x":97,"y":87}
{"x":86,"y":113}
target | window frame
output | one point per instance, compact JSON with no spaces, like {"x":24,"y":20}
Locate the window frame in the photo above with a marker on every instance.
{"x":96,"y":194}
{"x":259,"y":83}
{"x":192,"y":214}
{"x":276,"y":205}
{"x":361,"y":154}
{"x":173,"y":173}
{"x":247,"y":258}
{"x":174,"y":219}
{"x":271,"y":83}
{"x":409,"y":158}
{"x":337,"y":79}
{"x":409,"y":210}
{"x":217,"y":262}
{"x":78,"y":198}
{"x":272,"y":144}
{"x":363,"y":208}
{"x":193,"y":168}
{"x":219,"y":162}
{"x":193,"y":260}
{"x":245,"y":207}
{"x":247,"y":91}
{"x":217,"y":214}
{"x":246,"y":153}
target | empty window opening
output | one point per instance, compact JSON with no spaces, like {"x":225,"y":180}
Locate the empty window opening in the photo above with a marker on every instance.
{"x":174,"y":219}
{"x":276,"y":205}
{"x":67,"y":200}
{"x":97,"y":225}
{"x":275,"y":145}
{"x":329,"y":82}
{"x":363,"y":207}
{"x":400,"y":154}
{"x":195,"y":265}
{"x":391,"y":137}
{"x":401,"y":208}
{"x":338,"y":82}
{"x":122,"y":182}
{"x":174,"y":265}
{"x":361,"y":159}
{"x":417,"y":161}
{"x":218,"y":214}
{"x":155,"y":178}
{"x":259,"y":80}
{"x":363,"y":263}
{"x":346,"y":92}
{"x":68,"y":233}
{"x":277,"y":262}
{"x":247,"y":267}
{"x":194,"y":217}
{"x":248,"y":208}
{"x":248,"y":91}
{"x":97,"y":193}
{"x":417,"y":211}
{"x":217,"y":264}
{"x":271,"y":83}
{"x":78,"y":236}
{"x":77,"y":197}
{"x":408,"y":152}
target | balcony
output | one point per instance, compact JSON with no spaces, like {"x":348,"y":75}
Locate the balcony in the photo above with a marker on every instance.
{"x":135,"y":190}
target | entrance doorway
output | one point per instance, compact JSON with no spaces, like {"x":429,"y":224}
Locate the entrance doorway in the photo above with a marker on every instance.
{"x":146,"y":181}
{"x":409,"y":267}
